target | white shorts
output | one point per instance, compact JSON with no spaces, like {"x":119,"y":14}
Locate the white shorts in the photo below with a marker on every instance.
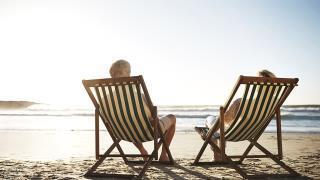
{"x":165,"y":123}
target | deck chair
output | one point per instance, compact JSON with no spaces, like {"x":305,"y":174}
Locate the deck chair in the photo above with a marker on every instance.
{"x":120,"y":104}
{"x":261,"y":101}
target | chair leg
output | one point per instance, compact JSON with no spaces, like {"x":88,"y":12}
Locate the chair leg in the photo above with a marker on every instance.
{"x":100,"y":160}
{"x":196,"y":161}
{"x":276,"y":159}
{"x":147,"y":164}
{"x":227,"y":159}
{"x":90,"y":172}
{"x":235,"y":166}
{"x":116,"y":144}
{"x":120,"y":151}
{"x":245,"y":154}
{"x":204,"y":146}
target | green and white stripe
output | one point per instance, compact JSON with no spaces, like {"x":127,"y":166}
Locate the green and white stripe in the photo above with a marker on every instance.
{"x":123,"y":108}
{"x":257,"y":106}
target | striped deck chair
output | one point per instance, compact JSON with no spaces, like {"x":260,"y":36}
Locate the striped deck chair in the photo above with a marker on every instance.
{"x":261,"y":101}
{"x":120,"y":104}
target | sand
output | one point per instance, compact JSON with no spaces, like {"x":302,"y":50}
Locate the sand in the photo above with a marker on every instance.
{"x":301,"y":152}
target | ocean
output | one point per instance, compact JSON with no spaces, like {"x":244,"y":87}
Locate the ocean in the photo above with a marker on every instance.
{"x":43,"y":117}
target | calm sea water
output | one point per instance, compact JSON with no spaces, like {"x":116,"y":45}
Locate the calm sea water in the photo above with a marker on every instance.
{"x":300,"y":118}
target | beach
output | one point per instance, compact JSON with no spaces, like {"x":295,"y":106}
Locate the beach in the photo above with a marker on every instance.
{"x":49,"y":142}
{"x":43,"y":155}
{"x":71,"y":69}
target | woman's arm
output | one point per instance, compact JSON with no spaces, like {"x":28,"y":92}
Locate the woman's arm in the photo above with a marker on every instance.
{"x":229,"y":115}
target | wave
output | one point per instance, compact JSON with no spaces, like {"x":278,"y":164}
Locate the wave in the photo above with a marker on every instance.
{"x":204,"y":108}
{"x":179,"y":129}
{"x":289,"y":112}
{"x":92,"y":114}
{"x":283,"y":117}
{"x":53,"y":115}
{"x":188,"y":110}
{"x":298,"y":117}
{"x":303,"y":106}
{"x":182,"y":116}
{"x":189,"y":116}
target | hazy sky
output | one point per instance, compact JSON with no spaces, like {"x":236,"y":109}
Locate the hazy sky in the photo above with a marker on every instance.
{"x":189,"y":52}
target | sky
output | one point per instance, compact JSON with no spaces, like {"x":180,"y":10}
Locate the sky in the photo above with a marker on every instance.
{"x":190,"y":52}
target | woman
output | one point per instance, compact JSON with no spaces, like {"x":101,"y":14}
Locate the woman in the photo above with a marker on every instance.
{"x":230,"y":114}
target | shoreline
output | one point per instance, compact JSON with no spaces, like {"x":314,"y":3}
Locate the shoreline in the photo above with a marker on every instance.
{"x":81,"y":144}
{"x":102,"y":130}
{"x":72,"y":157}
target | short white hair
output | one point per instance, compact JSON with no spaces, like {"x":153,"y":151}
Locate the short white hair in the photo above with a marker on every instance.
{"x":120,"y":68}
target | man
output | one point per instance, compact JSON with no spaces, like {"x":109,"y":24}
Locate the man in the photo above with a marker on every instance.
{"x":121,"y":68}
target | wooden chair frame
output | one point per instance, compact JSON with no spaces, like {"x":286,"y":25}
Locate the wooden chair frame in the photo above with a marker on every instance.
{"x":158,"y":134}
{"x":227,"y":160}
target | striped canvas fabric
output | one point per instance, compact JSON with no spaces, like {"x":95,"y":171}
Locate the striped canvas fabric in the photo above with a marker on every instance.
{"x":123,"y":107}
{"x":256,"y":109}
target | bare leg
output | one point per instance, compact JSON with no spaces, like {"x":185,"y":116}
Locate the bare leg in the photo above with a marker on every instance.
{"x":216,"y":154}
{"x":168,"y":138}
{"x":142,"y":150}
